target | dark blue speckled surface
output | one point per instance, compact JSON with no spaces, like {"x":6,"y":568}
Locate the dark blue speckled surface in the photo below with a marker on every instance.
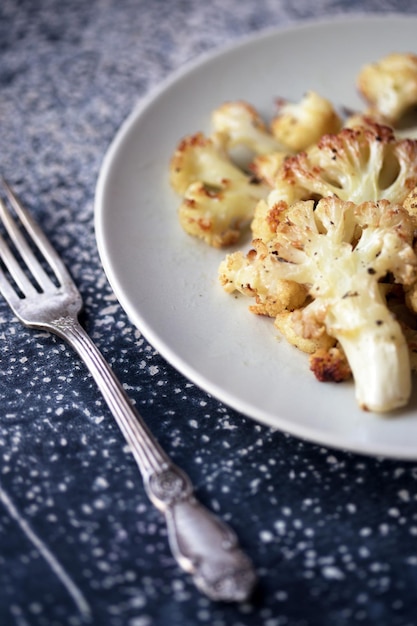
{"x":333,"y":535}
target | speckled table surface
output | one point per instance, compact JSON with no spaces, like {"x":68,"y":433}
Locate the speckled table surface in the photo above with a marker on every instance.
{"x":333,"y":535}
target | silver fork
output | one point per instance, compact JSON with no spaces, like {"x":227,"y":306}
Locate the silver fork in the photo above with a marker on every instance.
{"x":202,"y":544}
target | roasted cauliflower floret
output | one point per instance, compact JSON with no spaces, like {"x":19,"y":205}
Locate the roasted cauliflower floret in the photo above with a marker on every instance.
{"x":299,"y":125}
{"x":410,"y":203}
{"x":327,"y":360}
{"x":290,"y":325}
{"x":199,"y":158}
{"x":362,"y":163}
{"x":406,"y":130}
{"x":219,"y":199}
{"x":330,"y":365}
{"x":365,"y":118}
{"x":341,"y":251}
{"x":267,"y":217}
{"x":266,"y":166}
{"x":254,"y":275}
{"x":390,"y":85}
{"x":238,"y":123}
{"x":357,"y":164}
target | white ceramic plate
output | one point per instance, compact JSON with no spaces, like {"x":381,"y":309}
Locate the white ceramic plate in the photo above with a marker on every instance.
{"x":167,"y":281}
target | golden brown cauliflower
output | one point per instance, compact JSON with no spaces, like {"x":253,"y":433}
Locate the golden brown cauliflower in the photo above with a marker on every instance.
{"x":390,"y":85}
{"x":299,"y":125}
{"x":218,"y":197}
{"x":238,"y":123}
{"x":357,"y":164}
{"x":365,"y":118}
{"x":291,"y":326}
{"x":410,"y":205}
{"x":341,"y":251}
{"x":266,"y":166}
{"x":330,"y":365}
{"x":254,"y":275}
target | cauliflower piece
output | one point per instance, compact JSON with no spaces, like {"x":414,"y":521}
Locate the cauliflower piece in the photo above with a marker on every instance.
{"x":300,"y":125}
{"x":365,"y":162}
{"x":266,"y":218}
{"x":254,"y":275}
{"x":327,"y":360}
{"x":410,"y":204}
{"x":199,"y":158}
{"x":290,"y":326}
{"x":341,"y":251}
{"x":239,"y":124}
{"x":266,"y":166}
{"x":271,"y":210}
{"x":390,"y":85}
{"x":219,"y":199}
{"x":407,"y":129}
{"x":357,"y":164}
{"x":366,"y":118}
{"x":330,"y":365}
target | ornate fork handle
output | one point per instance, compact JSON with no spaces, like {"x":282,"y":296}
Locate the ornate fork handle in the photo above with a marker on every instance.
{"x":201,"y":543}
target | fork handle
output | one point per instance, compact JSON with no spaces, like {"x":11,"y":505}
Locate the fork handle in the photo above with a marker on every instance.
{"x":202,"y":544}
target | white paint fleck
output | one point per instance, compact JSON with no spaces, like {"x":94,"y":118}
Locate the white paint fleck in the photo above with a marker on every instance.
{"x":266,"y":536}
{"x":280,"y":527}
{"x":331,"y":460}
{"x":332,"y":572}
{"x":254,"y":484}
{"x":228,"y":426}
{"x":404,"y":495}
{"x":101,"y":483}
{"x":281,"y":596}
{"x":412,"y":560}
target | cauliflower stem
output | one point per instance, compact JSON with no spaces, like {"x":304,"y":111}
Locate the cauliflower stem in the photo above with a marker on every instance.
{"x":375,"y":348}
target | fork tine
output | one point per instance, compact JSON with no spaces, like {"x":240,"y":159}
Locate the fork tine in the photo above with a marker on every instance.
{"x":37,"y":237}
{"x":21,"y":280}
{"x":40,"y":277}
{"x":18,"y":275}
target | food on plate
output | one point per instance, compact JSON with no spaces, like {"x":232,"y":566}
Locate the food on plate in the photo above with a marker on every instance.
{"x":299,"y":125}
{"x":390,"y":85}
{"x":339,"y":251}
{"x":218,"y":197}
{"x":239,"y":124}
{"x":332,"y":211}
{"x":357,"y":164}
